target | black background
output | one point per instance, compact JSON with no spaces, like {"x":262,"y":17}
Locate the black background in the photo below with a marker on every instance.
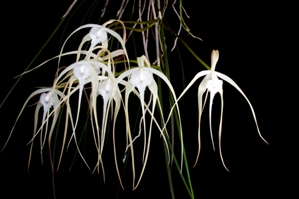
{"x":246,"y":37}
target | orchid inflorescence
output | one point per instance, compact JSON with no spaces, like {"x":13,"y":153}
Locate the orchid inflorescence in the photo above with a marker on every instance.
{"x":96,"y":67}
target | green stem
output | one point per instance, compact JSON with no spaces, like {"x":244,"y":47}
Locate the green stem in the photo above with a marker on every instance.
{"x":53,"y":185}
{"x":186,"y":45}
{"x":175,"y":115}
{"x":168,"y":172}
{"x":167,"y":73}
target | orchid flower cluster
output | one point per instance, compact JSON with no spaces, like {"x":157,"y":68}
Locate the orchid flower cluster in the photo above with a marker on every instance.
{"x":96,"y":67}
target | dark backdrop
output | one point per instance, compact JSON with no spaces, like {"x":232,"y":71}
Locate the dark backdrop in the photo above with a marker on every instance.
{"x":243,"y":33}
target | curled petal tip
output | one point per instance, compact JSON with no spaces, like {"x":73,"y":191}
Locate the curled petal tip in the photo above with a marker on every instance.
{"x":265,"y":141}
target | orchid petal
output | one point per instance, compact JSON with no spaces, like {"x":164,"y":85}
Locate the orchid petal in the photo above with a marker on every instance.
{"x":112,"y":32}
{"x":201,"y":89}
{"x":82,"y":72}
{"x":141,"y":79}
{"x":38,"y":106}
{"x":214,"y":86}
{"x":230,"y":81}
{"x":220,"y":131}
{"x":22,"y":109}
{"x":154,"y":90}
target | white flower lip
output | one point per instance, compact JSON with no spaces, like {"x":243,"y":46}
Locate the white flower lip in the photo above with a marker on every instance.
{"x":97,"y":35}
{"x":104,"y":88}
{"x":82,"y":71}
{"x":141,"y":79}
{"x":47,"y":100}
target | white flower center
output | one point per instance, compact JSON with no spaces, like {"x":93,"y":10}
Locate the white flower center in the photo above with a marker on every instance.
{"x":47,"y":98}
{"x":100,"y":33}
{"x":82,"y":69}
{"x":214,"y":85}
{"x":108,"y":85}
{"x":141,"y":77}
{"x":97,"y":35}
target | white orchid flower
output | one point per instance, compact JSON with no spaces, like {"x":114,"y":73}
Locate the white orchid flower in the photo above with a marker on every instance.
{"x":49,"y":98}
{"x":142,"y":78}
{"x":98,"y":35}
{"x":79,"y":74}
{"x":214,"y":85}
{"x":108,"y":90}
{"x":85,"y":70}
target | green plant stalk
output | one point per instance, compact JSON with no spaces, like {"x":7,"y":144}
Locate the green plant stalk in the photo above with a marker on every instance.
{"x":186,"y":45}
{"x":184,"y":154}
{"x":53,"y":185}
{"x":168,"y":172}
{"x":175,"y":112}
{"x":166,"y":68}
{"x":180,"y":58}
{"x":164,"y":147}
{"x":175,"y":160}
{"x":190,"y":191}
{"x":167,"y":73}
